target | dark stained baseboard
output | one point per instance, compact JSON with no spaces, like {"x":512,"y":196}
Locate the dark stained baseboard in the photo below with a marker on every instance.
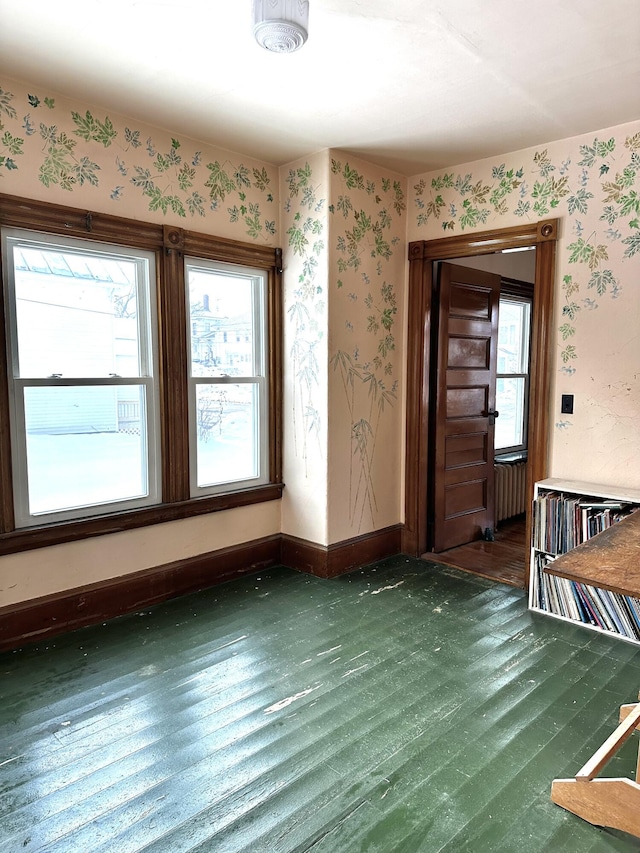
{"x":40,"y":618}
{"x":328,"y":561}
{"x":36,"y":619}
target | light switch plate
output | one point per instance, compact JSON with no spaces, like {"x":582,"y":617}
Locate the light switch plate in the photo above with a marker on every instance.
{"x":566,"y":406}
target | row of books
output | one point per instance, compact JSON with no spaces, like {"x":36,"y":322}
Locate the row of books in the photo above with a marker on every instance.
{"x":619,"y":614}
{"x":561,"y":522}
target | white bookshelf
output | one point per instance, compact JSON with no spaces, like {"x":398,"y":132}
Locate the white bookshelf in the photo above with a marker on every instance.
{"x":565,"y":514}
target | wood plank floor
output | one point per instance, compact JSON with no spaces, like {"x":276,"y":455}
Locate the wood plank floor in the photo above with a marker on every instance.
{"x":503,"y":560}
{"x":406,"y":707}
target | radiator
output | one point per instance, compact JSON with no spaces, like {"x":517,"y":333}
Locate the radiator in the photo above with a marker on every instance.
{"x":510,"y":489}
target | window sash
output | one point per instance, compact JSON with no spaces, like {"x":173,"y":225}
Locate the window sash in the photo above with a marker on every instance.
{"x":149,"y":457}
{"x":257,"y":377}
{"x":522,"y":406}
{"x":15,"y":239}
{"x":144,"y":263}
{"x":260,"y":438}
{"x":524,"y":350}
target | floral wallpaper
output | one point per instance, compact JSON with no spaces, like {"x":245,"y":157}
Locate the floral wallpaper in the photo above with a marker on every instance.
{"x":120,"y":166}
{"x":600,"y":178}
{"x":367,"y":233}
{"x":592,"y":184}
{"x":304,"y":188}
{"x":305,"y":215}
{"x":344,"y":225}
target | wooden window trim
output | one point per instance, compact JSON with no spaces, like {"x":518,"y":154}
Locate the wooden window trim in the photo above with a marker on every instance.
{"x":169,"y":244}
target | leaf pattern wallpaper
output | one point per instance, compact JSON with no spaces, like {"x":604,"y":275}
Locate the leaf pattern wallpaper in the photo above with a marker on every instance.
{"x":118,"y":167}
{"x":603,"y":175}
{"x":592,"y":184}
{"x":344,"y":225}
{"x":305,"y":226}
{"x":367,"y":228}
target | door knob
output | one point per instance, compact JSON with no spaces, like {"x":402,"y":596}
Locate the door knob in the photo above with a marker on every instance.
{"x":492,"y":416}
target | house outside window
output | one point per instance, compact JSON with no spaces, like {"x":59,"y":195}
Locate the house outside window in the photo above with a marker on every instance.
{"x":228,"y":378}
{"x":140,"y":387}
{"x":82,"y":379}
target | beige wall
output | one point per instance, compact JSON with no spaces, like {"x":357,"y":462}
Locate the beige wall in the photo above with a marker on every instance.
{"x":76,"y":154}
{"x":128,"y":169}
{"x":305,"y":210}
{"x":591,"y":184}
{"x":344,"y":225}
{"x":367,"y":253}
{"x":74,"y":564}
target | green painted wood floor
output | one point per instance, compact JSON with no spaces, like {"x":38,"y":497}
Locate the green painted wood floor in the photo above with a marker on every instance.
{"x":400,"y":708}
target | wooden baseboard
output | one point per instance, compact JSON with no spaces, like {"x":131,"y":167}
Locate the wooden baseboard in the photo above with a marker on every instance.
{"x":36,"y":619}
{"x":40,"y":618}
{"x":328,"y":561}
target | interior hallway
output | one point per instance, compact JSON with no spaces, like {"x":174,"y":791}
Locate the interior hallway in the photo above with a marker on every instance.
{"x":405,"y":707}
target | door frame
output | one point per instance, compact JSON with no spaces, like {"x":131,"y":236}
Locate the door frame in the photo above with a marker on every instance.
{"x":543,"y":236}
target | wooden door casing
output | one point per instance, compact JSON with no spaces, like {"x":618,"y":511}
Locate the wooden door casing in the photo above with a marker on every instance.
{"x":543,"y":235}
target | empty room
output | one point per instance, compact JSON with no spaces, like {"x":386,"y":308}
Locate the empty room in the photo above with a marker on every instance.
{"x":319,"y":426}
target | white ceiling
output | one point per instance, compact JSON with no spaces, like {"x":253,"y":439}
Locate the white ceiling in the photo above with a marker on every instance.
{"x":412,"y":85}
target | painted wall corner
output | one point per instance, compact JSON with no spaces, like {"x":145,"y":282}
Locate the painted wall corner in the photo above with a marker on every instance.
{"x":367,"y":271}
{"x":304,"y":189}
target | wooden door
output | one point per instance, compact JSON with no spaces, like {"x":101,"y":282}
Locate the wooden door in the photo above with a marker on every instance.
{"x":465,"y":392}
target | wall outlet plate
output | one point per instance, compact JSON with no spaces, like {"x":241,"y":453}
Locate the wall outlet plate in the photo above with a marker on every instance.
{"x":566,"y":406}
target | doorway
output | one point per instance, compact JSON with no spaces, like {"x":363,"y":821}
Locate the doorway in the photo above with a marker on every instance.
{"x":503,"y":559}
{"x":464,"y":351}
{"x":422,"y":254}
{"x":481,"y":327}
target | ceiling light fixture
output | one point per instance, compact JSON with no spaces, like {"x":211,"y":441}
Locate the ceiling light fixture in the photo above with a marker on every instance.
{"x":281,"y":26}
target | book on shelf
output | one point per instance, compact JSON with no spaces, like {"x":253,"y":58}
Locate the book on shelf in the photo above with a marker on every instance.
{"x":580,"y":602}
{"x":563,"y":519}
{"x":562,"y":522}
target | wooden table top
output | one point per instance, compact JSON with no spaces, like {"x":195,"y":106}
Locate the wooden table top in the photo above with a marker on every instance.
{"x":610,"y":560}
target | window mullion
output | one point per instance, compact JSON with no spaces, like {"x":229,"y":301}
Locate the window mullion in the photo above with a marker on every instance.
{"x":7,"y":518}
{"x":273,"y":320}
{"x":173,"y":373}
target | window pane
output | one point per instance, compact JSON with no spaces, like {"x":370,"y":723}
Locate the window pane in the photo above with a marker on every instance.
{"x":513,"y":336}
{"x":76,"y":314}
{"x":85,"y":446}
{"x":227,"y":433}
{"x":221,"y":323}
{"x":509,"y":430}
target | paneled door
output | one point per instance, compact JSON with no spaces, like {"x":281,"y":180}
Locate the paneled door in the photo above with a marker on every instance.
{"x":465,"y":391}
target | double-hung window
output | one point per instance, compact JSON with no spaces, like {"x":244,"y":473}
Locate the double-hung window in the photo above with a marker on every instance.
{"x":512,"y":382}
{"x":82,"y":377}
{"x":140,"y":374}
{"x":228,"y":388}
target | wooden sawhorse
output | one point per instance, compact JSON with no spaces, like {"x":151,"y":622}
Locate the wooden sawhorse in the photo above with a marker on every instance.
{"x":614,"y":803}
